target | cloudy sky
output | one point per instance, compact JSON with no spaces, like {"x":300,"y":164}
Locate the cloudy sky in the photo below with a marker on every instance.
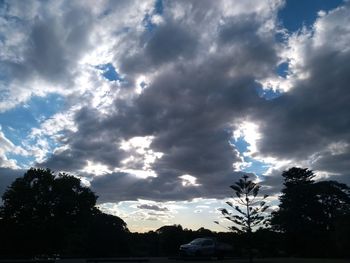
{"x":160,"y":105}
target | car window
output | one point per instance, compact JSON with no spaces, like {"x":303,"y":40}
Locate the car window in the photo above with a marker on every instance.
{"x":207,"y":243}
{"x":197,"y":241}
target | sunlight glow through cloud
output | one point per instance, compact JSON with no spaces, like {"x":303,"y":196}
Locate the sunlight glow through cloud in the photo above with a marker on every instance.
{"x":96,"y":168}
{"x":249,"y":131}
{"x":188,"y":180}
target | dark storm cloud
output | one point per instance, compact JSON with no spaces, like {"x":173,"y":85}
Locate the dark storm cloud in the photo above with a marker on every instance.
{"x":168,"y":43}
{"x":53,"y":46}
{"x":239,"y":29}
{"x":153,"y":207}
{"x":310,"y":124}
{"x":193,"y":104}
{"x":312,"y":115}
{"x":195,"y":101}
{"x":122,"y":186}
{"x":204,"y":64}
{"x":192,"y":127}
{"x":67,"y":160}
{"x":94,"y":142}
{"x":336,"y":162}
{"x":167,"y":186}
{"x":273,"y":183}
{"x":7,"y":176}
{"x":191,"y":107}
{"x":256,"y":51}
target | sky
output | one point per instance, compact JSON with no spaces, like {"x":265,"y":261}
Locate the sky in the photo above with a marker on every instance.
{"x":159,"y":106}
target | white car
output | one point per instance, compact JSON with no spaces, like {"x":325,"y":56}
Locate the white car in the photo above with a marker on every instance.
{"x":204,"y":247}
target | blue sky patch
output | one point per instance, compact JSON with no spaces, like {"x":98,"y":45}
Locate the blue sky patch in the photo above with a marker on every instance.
{"x":282,"y":69}
{"x":159,"y":8}
{"x":268,"y":94}
{"x":27,"y":161}
{"x":22,"y":161}
{"x":297,"y":13}
{"x":147,"y":21}
{"x":256,"y":167}
{"x":109,"y":72}
{"x":17,"y":123}
{"x":241,"y":144}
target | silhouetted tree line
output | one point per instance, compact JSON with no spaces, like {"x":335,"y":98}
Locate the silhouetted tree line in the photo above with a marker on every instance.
{"x":313,"y":216}
{"x":166,"y":241}
{"x":43,"y":213}
{"x":47,"y":214}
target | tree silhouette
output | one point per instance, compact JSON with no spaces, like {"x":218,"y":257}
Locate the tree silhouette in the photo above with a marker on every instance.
{"x":40,"y":195}
{"x":333,"y":201}
{"x":42,"y":211}
{"x":249,"y":209}
{"x":297,"y":209}
{"x":45,"y":214}
{"x":170,"y":239}
{"x":308,"y":211}
{"x":106,"y":236}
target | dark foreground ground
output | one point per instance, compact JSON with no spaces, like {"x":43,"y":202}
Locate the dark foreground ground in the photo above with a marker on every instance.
{"x":205,"y":260}
{"x":275,"y":260}
{"x":180,"y":260}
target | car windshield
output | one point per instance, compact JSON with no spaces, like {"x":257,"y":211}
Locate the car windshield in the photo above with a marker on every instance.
{"x":198,"y":241}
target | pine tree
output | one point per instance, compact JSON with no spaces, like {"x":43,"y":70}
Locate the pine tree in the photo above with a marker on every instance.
{"x":248,"y":209}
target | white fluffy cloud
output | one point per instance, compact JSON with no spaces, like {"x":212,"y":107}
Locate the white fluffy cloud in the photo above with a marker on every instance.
{"x":7,"y":147}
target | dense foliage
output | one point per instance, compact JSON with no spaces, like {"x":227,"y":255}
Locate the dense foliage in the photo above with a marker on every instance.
{"x":309,"y":213}
{"x":47,"y":214}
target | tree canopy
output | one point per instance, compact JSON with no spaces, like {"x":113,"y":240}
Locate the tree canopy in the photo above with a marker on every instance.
{"x":308,"y":210}
{"x":47,"y":213}
{"x":41,"y":197}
